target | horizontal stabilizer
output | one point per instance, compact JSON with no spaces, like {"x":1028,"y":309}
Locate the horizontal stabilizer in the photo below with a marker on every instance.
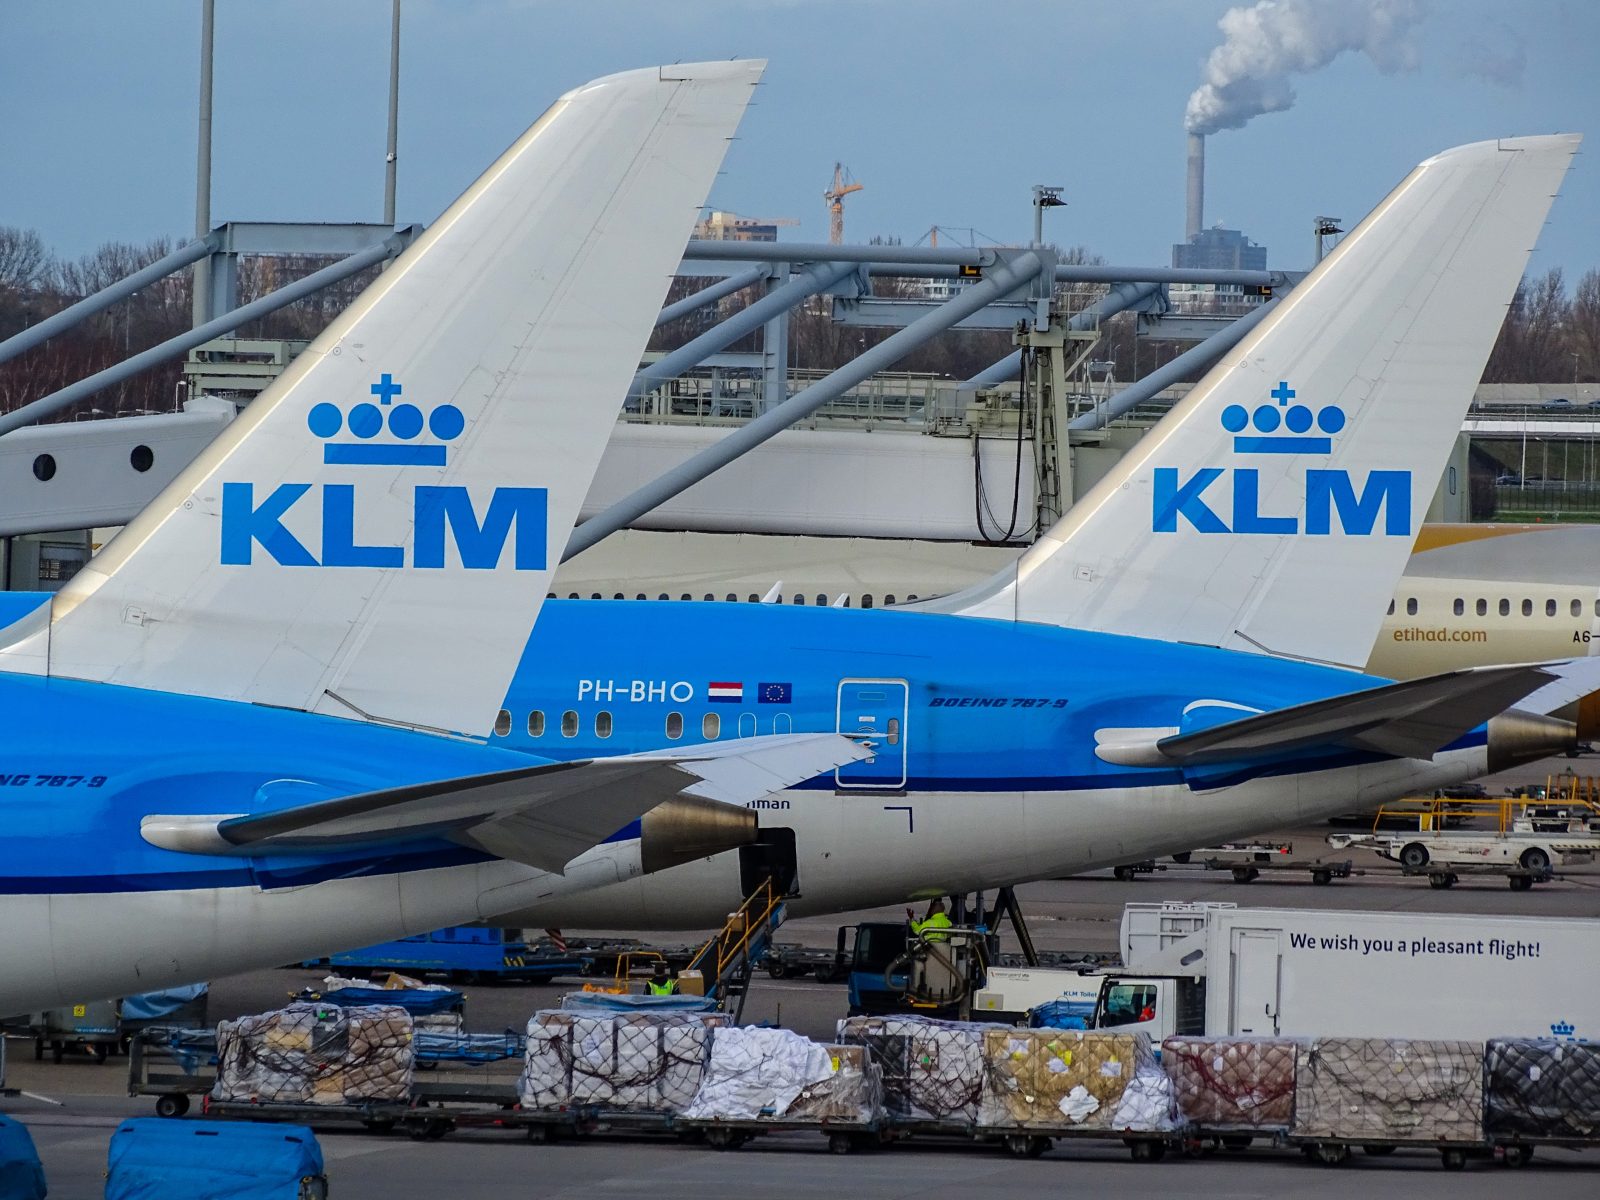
{"x":544,"y":815}
{"x":1413,"y":719}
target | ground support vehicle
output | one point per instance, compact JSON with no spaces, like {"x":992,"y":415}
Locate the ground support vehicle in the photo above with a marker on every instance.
{"x":1218,"y":969}
{"x":1129,"y":871}
{"x":1248,"y":860}
{"x":94,"y":1026}
{"x":788,"y":960}
{"x":172,"y":1065}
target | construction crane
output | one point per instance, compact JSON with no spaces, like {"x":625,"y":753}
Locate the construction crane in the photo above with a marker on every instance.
{"x":843,"y":185}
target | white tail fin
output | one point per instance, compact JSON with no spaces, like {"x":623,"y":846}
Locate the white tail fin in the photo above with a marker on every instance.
{"x":373,"y":537}
{"x":1274,"y":508}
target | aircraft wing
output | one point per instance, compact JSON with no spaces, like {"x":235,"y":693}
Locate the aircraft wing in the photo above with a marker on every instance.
{"x":1412,"y":719}
{"x":543,"y":815}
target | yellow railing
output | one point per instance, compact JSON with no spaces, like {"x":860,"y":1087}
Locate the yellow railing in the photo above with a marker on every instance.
{"x":733,"y":939}
{"x":1570,"y":791}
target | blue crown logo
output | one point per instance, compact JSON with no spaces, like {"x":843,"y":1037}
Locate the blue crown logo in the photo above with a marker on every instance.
{"x":1563,"y":1029}
{"x":1296,"y":419}
{"x":404,"y":421}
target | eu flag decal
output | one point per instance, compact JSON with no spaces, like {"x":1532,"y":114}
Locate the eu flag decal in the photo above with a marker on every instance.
{"x":775,"y":693}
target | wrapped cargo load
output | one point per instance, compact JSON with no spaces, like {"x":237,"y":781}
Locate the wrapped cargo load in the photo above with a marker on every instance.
{"x":1542,"y":1089}
{"x":775,"y":1074}
{"x":628,"y":1061}
{"x":931,"y":1070}
{"x":433,"y":1006}
{"x":1037,"y":1078}
{"x":1389,"y":1089}
{"x":316,"y":1054}
{"x":1238,"y":1082}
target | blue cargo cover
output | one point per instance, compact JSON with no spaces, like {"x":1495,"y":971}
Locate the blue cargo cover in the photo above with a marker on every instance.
{"x":155,"y":1159}
{"x":417,"y":1003}
{"x":21,"y":1174}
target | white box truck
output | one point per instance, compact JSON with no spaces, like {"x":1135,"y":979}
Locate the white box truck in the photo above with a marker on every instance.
{"x":1220,"y":969}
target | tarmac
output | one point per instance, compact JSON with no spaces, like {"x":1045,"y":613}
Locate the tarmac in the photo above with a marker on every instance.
{"x":1081,"y":913}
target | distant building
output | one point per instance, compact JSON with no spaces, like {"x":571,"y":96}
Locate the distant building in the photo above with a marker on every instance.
{"x":731,"y":227}
{"x":1217,"y":249}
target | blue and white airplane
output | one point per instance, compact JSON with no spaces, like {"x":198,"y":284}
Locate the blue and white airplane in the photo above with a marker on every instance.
{"x":227,"y":738}
{"x":1175,"y":663}
{"x":253,"y":727}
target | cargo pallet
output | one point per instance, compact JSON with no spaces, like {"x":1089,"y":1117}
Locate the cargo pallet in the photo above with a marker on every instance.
{"x":1030,"y":1141}
{"x":844,"y":1137}
{"x":1332,"y":1152}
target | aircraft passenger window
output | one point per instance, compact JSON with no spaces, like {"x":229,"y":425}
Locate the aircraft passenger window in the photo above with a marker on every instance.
{"x":1411,"y":607}
{"x":822,"y":601}
{"x":1527,"y":608}
{"x":866,"y":602}
{"x":502,"y":723}
{"x":641,"y":596}
{"x":1505,"y":607}
{"x":549,"y":595}
{"x":569,"y":724}
{"x":536,"y":723}
{"x":1391,"y":608}
{"x":710,"y":596}
{"x":747,"y":725}
{"x":1461,"y":606}
{"x":1483,"y":607}
{"x":663,"y":596}
{"x":1577,"y":608}
{"x":888,"y":598}
{"x":799,"y":598}
{"x":674,"y":726}
{"x":572,"y":595}
{"x":686,"y":596}
{"x":894,"y":731}
{"x":1549,"y":608}
{"x":710,"y":726}
{"x":619,"y":596}
{"x":596,"y":596}
{"x":602,"y":724}
{"x":782,"y":723}
{"x":733,"y":598}
{"x":754,"y":599}
{"x":911,"y":597}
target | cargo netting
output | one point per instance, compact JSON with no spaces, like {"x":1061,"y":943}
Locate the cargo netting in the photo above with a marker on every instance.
{"x":932,"y":1070}
{"x":316,"y":1054}
{"x":1050,"y":1078}
{"x":1390,"y":1089}
{"x":1239,"y":1082}
{"x":1542,"y":1088}
{"x":630,"y":1061}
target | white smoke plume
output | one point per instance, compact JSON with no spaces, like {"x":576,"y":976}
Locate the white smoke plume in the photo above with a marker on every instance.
{"x":1264,"y":45}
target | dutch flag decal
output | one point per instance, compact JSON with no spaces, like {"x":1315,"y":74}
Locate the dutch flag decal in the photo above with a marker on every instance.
{"x":725,"y":693}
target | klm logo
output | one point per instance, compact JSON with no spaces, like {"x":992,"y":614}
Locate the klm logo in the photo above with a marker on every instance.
{"x":1334,"y":501}
{"x":385,"y":435}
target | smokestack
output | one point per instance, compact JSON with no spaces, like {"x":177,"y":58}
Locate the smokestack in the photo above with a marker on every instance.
{"x":1195,"y":209}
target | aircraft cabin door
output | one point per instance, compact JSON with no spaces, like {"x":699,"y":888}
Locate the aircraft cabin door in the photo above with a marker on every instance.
{"x":1255,"y":982}
{"x":875,"y":709}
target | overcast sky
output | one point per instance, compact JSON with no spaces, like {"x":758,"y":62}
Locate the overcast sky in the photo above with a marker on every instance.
{"x":947,"y":110}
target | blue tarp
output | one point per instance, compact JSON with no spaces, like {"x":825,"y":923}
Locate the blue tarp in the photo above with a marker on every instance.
{"x":417,"y":1003}
{"x":1061,"y":1014}
{"x":152,"y":1006}
{"x":607,"y":1002}
{"x":21,"y":1175}
{"x":156,"y":1159}
{"x":467,"y":1047}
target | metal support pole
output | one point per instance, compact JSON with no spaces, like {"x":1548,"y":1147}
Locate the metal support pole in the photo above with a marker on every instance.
{"x":775,"y":349}
{"x":202,"y":181}
{"x":746,"y":320}
{"x":106,"y":297}
{"x":1123,"y":296}
{"x":1196,"y":358}
{"x":394,"y":118}
{"x":747,"y":437}
{"x":711,"y":294}
{"x":143,"y":361}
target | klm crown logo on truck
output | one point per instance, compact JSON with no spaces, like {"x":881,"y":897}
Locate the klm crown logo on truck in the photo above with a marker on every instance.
{"x":385,"y":434}
{"x":1333,"y":501}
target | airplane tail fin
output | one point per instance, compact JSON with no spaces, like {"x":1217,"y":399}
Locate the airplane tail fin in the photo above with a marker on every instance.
{"x":374,"y":535}
{"x":1274,"y":508}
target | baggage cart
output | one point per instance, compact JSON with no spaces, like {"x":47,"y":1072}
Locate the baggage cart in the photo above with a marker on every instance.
{"x":173,"y":1065}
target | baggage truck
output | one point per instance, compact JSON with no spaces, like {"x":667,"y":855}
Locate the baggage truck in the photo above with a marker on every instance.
{"x":1218,"y":969}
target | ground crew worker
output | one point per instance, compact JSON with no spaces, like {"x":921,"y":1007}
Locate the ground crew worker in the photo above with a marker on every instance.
{"x":660,"y":983}
{"x":932,"y":927}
